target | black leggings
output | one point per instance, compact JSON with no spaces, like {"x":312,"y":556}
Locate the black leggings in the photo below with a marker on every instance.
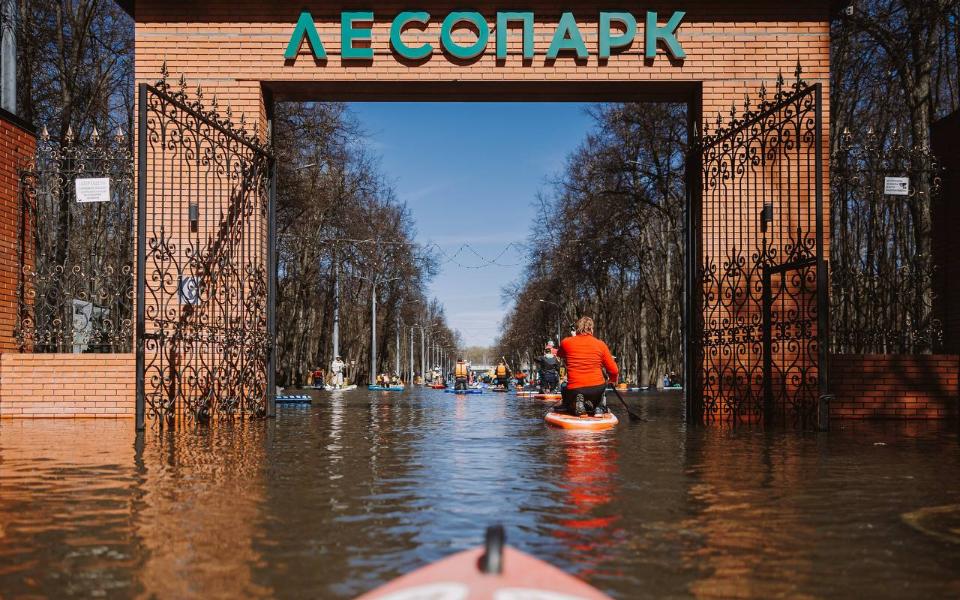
{"x":592,"y":398}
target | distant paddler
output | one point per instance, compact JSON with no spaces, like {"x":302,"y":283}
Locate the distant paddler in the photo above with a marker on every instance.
{"x":502,"y":373}
{"x":336,"y":368}
{"x":461,"y":375}
{"x":549,"y":370}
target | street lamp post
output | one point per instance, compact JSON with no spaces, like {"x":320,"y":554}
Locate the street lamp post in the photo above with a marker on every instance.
{"x":560,"y":308}
{"x":397,"y":370}
{"x":373,"y":325}
{"x":336,"y":308}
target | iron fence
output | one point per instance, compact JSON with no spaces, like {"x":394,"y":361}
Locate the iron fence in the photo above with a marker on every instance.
{"x":75,"y":285}
{"x":881,"y":281}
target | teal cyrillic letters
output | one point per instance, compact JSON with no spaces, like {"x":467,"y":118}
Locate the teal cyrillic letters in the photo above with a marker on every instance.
{"x":503,"y":19}
{"x":356,"y":35}
{"x":396,"y":29}
{"x":349,"y":34}
{"x":305,"y":27}
{"x":668,"y":34}
{"x":567,"y":37}
{"x":473,"y":50}
{"x":607,"y":41}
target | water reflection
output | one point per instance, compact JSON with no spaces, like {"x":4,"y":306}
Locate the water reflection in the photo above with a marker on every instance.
{"x":329,"y":501}
{"x":589,"y":528}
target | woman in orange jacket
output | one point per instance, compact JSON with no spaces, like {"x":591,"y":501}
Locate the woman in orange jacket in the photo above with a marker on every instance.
{"x":586,"y":359}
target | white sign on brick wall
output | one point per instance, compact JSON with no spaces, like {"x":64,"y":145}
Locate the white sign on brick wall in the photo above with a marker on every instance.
{"x":93,"y":189}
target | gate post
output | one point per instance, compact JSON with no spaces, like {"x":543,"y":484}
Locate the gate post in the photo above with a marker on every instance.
{"x":767,"y":347}
{"x":141,"y":247}
{"x":823,"y":290}
{"x":272,"y":291}
{"x":692,"y":309}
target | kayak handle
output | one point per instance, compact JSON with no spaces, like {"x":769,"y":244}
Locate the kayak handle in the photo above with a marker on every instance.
{"x":491,"y":562}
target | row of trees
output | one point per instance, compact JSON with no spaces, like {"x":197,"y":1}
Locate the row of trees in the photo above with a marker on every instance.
{"x":896,"y":70}
{"x":611,"y":245}
{"x":344,"y":238}
{"x":75,"y":77}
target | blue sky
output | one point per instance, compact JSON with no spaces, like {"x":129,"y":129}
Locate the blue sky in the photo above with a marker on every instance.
{"x":470,"y":173}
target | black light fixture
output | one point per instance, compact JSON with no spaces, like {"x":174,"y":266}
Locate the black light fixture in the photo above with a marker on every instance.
{"x":193,"y":213}
{"x":766,"y":217}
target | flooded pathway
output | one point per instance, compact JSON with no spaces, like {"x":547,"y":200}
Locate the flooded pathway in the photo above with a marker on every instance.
{"x":331,"y":500}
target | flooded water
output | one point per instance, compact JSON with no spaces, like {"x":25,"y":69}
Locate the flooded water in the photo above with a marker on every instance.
{"x":332,"y":500}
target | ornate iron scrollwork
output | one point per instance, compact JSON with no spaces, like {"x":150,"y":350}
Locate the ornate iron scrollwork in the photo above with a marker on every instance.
{"x":75,"y":287}
{"x":761,"y":295}
{"x":205,"y":348}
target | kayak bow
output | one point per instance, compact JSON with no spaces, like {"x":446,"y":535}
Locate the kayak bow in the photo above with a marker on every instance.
{"x":492,"y":572}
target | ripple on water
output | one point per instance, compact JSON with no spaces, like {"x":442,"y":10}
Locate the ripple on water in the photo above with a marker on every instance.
{"x":333,"y":499}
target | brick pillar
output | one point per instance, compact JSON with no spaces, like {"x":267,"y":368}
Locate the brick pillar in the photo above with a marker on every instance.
{"x":17,"y":146}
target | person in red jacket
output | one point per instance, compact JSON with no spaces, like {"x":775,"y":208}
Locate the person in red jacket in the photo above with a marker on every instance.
{"x":586,"y":359}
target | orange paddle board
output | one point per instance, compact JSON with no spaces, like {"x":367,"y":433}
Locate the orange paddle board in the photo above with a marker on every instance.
{"x":590,"y":423}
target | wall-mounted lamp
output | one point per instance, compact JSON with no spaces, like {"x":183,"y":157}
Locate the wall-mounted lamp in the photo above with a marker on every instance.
{"x":766,"y":217}
{"x":194,"y":216}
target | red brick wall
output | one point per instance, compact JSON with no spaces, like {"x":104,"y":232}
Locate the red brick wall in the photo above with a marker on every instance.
{"x":17,"y":145}
{"x":67,"y":385}
{"x":894,"y":386}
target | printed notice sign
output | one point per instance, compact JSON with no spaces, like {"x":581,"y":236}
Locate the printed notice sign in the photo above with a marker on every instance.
{"x":93,"y":189}
{"x":896,"y":186}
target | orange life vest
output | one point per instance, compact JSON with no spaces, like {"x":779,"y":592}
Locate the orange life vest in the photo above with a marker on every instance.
{"x":501,"y":370}
{"x":461,"y":370}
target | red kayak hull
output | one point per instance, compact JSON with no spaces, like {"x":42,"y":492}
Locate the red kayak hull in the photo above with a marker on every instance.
{"x":548,"y":397}
{"x":458,"y":578}
{"x":565,"y":421}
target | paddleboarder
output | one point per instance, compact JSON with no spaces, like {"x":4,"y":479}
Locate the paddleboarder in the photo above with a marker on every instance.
{"x":549,"y":370}
{"x":461,"y":375}
{"x":502,"y":373}
{"x":586,"y":359}
{"x":336,"y":368}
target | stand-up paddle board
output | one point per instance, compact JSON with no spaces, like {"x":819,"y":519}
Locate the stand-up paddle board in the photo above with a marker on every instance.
{"x":385,"y":388}
{"x":293,"y":399}
{"x":590,"y":423}
{"x":548,"y":396}
{"x":332,"y":388}
{"x":492,"y":572}
{"x":467,"y":391}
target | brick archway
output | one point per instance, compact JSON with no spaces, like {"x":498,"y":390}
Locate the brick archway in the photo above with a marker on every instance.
{"x":240,"y":52}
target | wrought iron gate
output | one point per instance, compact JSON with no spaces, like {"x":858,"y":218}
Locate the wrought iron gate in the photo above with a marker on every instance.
{"x":763,"y":290}
{"x":205,"y":270}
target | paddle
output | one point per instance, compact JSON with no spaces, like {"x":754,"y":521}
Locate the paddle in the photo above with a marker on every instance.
{"x":633,"y":415}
